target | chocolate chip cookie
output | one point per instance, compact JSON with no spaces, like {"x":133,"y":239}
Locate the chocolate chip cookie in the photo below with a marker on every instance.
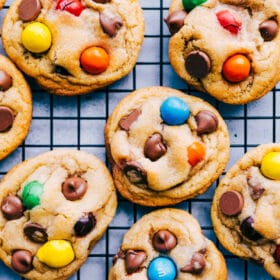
{"x":167,"y":244}
{"x":74,"y":46}
{"x":15,"y":107}
{"x":245,"y":210}
{"x":228,"y":54}
{"x":165,"y":146}
{"x":54,"y":208}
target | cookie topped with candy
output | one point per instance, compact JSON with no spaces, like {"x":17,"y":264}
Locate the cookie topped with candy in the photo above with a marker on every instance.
{"x":53,"y":209}
{"x":165,"y":146}
{"x":229,"y":54}
{"x":246,"y":207}
{"x":74,"y":46}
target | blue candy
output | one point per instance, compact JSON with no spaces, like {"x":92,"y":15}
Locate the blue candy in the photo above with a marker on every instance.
{"x":162,"y":268}
{"x":174,"y":111}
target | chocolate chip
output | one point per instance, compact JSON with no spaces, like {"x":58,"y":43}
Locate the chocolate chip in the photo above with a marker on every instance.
{"x":110,"y":22}
{"x":198,"y":64}
{"x":133,"y":260}
{"x":28,"y":10}
{"x":207,"y":122}
{"x":22,"y":261}
{"x":175,"y":21}
{"x":61,"y":71}
{"x":255,"y":188}
{"x":127,"y":121}
{"x":85,"y":225}
{"x":231,"y":203}
{"x":6,"y":118}
{"x":35,"y":233}
{"x":135,"y":172}
{"x":248,"y":231}
{"x":74,"y":188}
{"x":12,"y":207}
{"x":5,"y":80}
{"x":119,"y":255}
{"x":269,"y":29}
{"x":164,"y":241}
{"x":196,"y":266}
{"x":154,"y":147}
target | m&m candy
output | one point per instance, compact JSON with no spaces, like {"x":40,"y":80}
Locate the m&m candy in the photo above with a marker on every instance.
{"x":190,"y":4}
{"x":162,"y":268}
{"x":31,"y":194}
{"x":270,"y":165}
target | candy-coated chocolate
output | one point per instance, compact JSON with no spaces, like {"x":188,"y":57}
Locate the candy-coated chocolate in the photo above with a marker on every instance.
{"x":56,"y":253}
{"x":134,"y":260}
{"x":269,"y":29}
{"x":36,"y":37}
{"x":270,"y":165}
{"x":22,"y":261}
{"x":5,"y":80}
{"x":6,"y":118}
{"x":196,"y":153}
{"x":12,"y":207}
{"x":190,"y":4}
{"x":74,"y":7}
{"x":229,"y":21}
{"x":174,"y":111}
{"x":236,"y":68}
{"x":162,"y":268}
{"x":231,"y":203}
{"x":94,"y":60}
{"x":31,"y":194}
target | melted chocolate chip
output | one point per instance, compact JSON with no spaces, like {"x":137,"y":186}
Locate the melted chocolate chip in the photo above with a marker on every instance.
{"x":248,"y":231}
{"x":28,"y":10}
{"x":231,"y":203}
{"x":154,"y":147}
{"x":164,"y":241}
{"x":6,"y":118}
{"x":196,"y":266}
{"x":128,"y":120}
{"x":269,"y":29}
{"x":119,"y":255}
{"x":74,"y":188}
{"x":35,"y":233}
{"x":110,"y":22}
{"x":85,"y":225}
{"x":12,"y":207}
{"x":255,"y":188}
{"x":134,"y":260}
{"x":22,"y":261}
{"x":5,"y":80}
{"x":207,"y":122}
{"x":61,"y":71}
{"x":135,"y":172}
{"x":175,"y":21}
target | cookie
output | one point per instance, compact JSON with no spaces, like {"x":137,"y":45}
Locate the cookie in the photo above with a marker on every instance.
{"x":229,"y":54}
{"x":167,"y":244}
{"x":74,"y":47}
{"x":54,"y":208}
{"x":246,"y":207}
{"x":165,"y":146}
{"x":15,"y":107}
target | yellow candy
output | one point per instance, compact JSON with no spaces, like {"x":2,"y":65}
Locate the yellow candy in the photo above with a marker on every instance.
{"x":270,"y":165}
{"x":36,"y":37}
{"x":56,"y":253}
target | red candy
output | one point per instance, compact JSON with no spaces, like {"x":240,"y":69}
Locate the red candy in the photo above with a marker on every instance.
{"x":74,"y":7}
{"x":277,"y":254}
{"x":229,"y":21}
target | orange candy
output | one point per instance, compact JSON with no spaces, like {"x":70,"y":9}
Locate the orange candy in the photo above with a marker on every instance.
{"x":236,"y":68}
{"x":196,"y":153}
{"x":94,"y":60}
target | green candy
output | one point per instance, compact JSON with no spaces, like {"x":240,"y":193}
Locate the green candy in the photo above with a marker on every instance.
{"x":190,"y":4}
{"x":31,"y":194}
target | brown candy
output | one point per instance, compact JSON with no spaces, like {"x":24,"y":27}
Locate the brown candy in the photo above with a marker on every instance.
{"x":135,"y":172}
{"x":28,"y":10}
{"x":207,"y":122}
{"x":110,"y":22}
{"x":198,"y":64}
{"x":35,"y":233}
{"x":164,"y":241}
{"x":22,"y":261}
{"x":74,"y":188}
{"x":175,"y":21}
{"x":6,"y":118}
{"x":133,"y":260}
{"x":85,"y":225}
{"x":12,"y":207}
{"x":197,"y":264}
{"x":231,"y":203}
{"x":154,"y":147}
{"x":255,"y":188}
{"x":128,"y":120}
{"x":5,"y":80}
{"x":269,"y":29}
{"x":247,"y":229}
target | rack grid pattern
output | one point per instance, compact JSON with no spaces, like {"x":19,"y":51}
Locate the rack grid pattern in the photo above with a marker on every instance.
{"x":78,"y":122}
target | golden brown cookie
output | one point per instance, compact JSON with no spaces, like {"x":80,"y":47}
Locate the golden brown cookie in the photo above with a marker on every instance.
{"x":54,"y":208}
{"x":230,"y":53}
{"x":74,"y":47}
{"x":15,"y":107}
{"x":245,"y":210}
{"x":165,"y":146}
{"x":167,"y":244}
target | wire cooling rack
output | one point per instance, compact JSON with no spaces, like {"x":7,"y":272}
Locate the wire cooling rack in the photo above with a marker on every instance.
{"x":78,"y":122}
